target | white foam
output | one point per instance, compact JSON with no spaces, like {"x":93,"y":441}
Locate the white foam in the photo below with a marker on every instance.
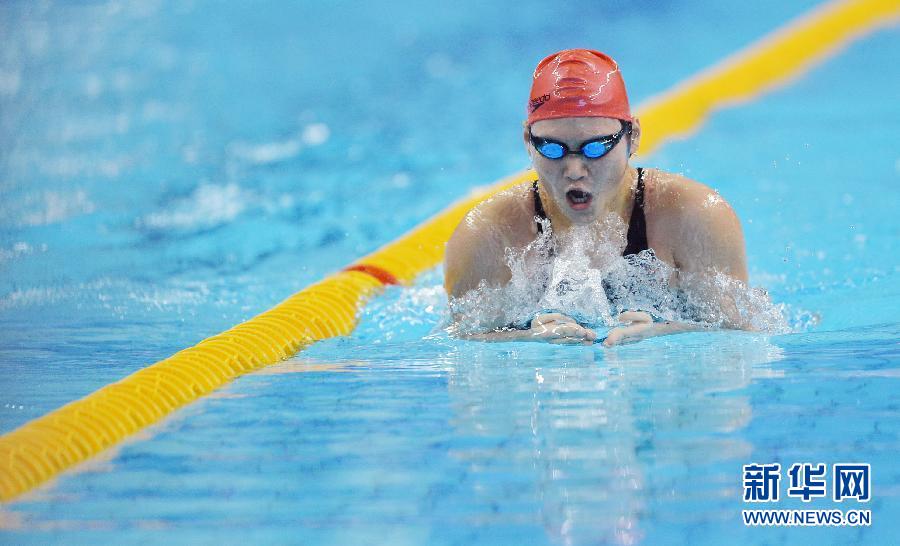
{"x":18,"y":249}
{"x":588,"y":279}
{"x":268,"y":152}
{"x":315,"y":134}
{"x":209,"y":205}
{"x":265,"y":153}
{"x":51,"y":206}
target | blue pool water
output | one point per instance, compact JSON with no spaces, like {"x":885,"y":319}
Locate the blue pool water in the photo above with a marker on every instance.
{"x":170,"y":169}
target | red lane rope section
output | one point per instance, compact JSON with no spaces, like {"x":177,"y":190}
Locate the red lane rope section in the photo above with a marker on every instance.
{"x":384,"y":276}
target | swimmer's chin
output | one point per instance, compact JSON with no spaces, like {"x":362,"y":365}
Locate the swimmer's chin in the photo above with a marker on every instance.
{"x":582,"y":217}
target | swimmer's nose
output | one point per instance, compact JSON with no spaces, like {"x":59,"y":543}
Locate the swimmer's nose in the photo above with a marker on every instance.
{"x":574,"y":168}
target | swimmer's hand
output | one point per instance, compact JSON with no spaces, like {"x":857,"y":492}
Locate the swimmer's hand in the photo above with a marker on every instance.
{"x":553,"y":328}
{"x":640,"y":325}
{"x":560,"y":329}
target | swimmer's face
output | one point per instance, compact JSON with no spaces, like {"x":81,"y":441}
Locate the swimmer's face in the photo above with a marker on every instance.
{"x":577,"y":184}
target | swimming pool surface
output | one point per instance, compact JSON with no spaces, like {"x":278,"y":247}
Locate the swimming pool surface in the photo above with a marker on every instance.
{"x":170,"y":169}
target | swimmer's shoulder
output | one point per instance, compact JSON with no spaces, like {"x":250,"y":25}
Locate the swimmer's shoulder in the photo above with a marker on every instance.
{"x":476,"y":250}
{"x":508,"y":214}
{"x":671,"y":198}
{"x":690,"y":222}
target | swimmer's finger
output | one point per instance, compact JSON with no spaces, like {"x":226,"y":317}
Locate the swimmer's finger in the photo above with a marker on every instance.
{"x":575,"y":331}
{"x":626,"y":334}
{"x":547,"y":318}
{"x":544,"y":329}
{"x":634,"y":316}
{"x":570,"y":341}
{"x":553,"y":328}
{"x":614,"y":337}
{"x":569,"y":333}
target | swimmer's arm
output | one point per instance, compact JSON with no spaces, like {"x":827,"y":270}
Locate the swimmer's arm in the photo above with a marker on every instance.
{"x":705,"y":236}
{"x":476,"y":256}
{"x":711,"y":240}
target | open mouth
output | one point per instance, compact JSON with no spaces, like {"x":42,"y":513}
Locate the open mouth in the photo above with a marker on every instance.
{"x":578,"y":199}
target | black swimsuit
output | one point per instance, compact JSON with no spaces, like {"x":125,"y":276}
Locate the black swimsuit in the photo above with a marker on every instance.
{"x":637,"y":226}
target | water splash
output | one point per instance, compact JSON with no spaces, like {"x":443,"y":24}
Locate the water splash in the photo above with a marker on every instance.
{"x":581,"y":273}
{"x":208,"y":206}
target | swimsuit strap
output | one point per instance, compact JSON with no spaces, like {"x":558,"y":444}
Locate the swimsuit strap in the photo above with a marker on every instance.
{"x":637,"y":226}
{"x":540,"y":216}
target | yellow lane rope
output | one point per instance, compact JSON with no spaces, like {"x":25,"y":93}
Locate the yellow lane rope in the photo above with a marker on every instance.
{"x":42,"y":448}
{"x":772,"y":61}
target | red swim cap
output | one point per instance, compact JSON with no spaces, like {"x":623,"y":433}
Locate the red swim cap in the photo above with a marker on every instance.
{"x":578,"y":83}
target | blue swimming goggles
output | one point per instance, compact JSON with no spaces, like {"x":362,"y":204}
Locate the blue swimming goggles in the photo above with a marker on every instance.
{"x":591,"y":149}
